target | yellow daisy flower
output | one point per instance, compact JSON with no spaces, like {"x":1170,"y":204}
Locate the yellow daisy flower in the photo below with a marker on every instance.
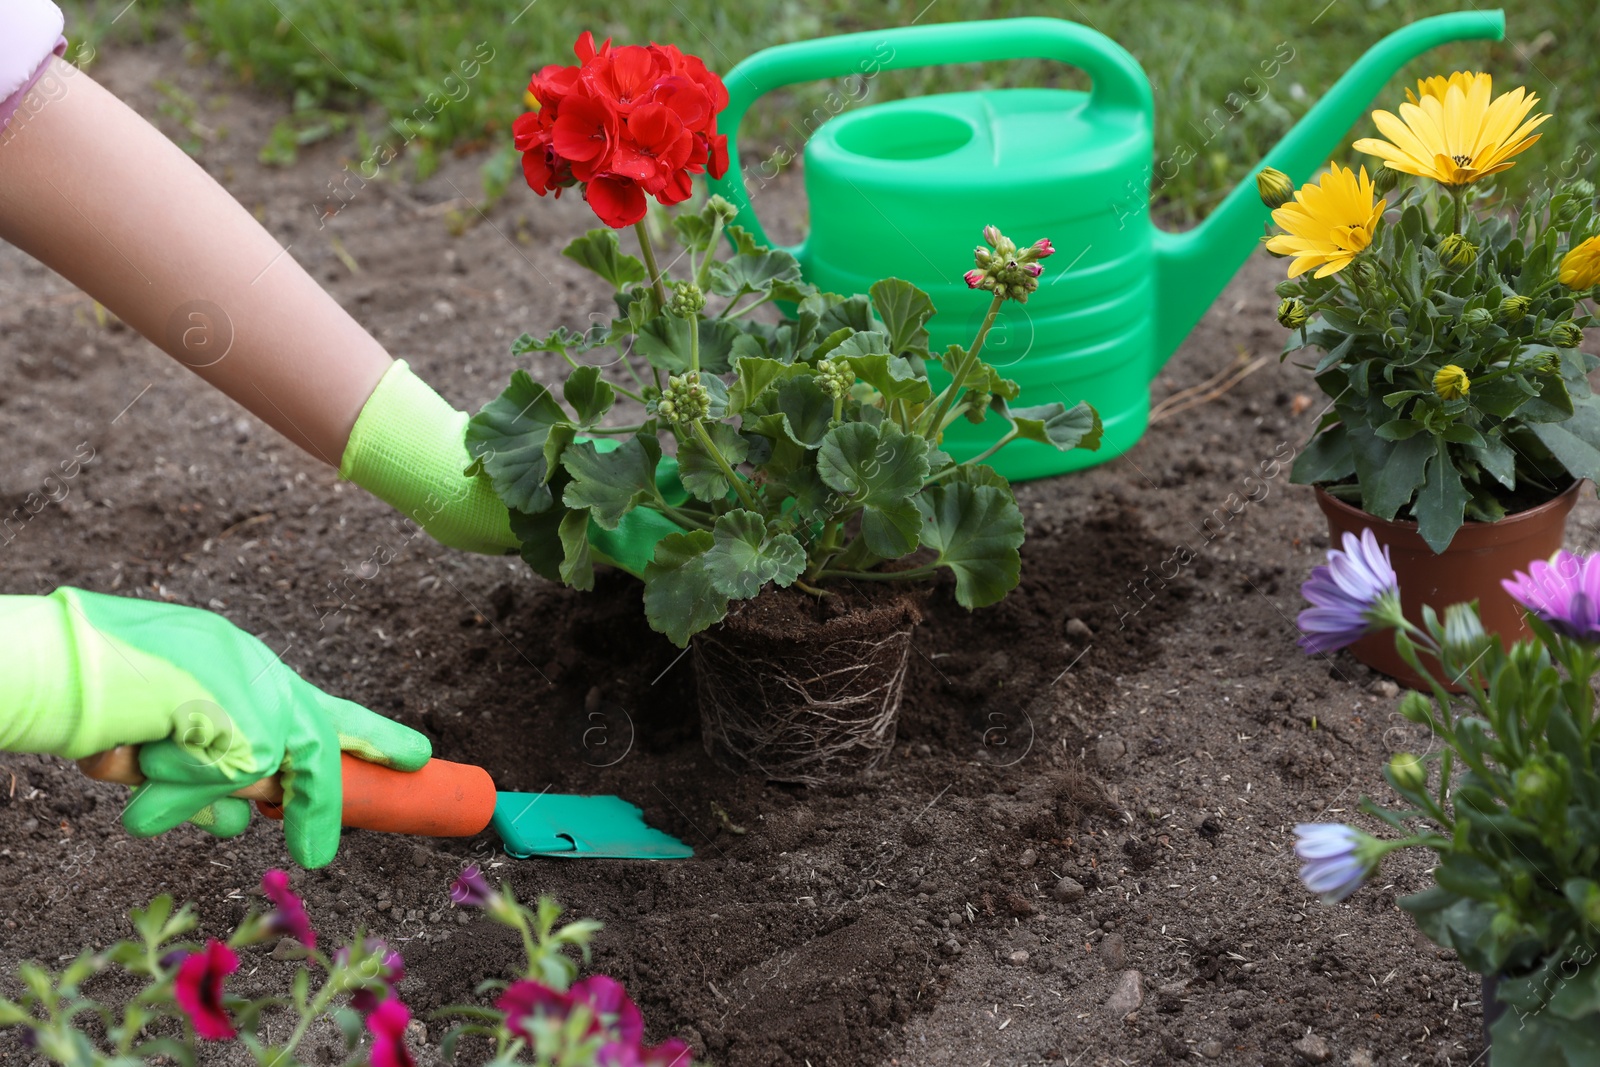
{"x":1328,"y":223}
{"x":1438,"y":85}
{"x":1580,"y":268}
{"x":1451,"y":383}
{"x":1459,"y":137}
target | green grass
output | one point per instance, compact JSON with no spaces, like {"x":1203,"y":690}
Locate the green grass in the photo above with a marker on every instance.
{"x":332,"y":58}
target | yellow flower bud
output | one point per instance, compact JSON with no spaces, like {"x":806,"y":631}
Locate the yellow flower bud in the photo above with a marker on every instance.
{"x":1456,"y":251}
{"x":1292,"y":313}
{"x":1451,"y":382}
{"x":1514,"y":308}
{"x":1580,"y":268}
{"x":1275,"y":187}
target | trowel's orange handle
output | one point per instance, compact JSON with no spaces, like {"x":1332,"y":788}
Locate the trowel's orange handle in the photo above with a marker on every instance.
{"x":443,"y":799}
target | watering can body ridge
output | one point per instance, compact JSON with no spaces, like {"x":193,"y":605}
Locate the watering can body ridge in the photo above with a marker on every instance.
{"x":904,"y":189}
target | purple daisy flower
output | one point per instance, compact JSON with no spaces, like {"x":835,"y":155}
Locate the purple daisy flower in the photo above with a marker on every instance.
{"x":1351,"y":595}
{"x":1331,"y":853}
{"x":1564,"y":592}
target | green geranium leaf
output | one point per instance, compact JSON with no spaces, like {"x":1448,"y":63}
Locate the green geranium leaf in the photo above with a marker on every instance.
{"x":679,"y":597}
{"x":1059,"y":426}
{"x":893,"y":376}
{"x":590,"y":395}
{"x":561,"y":341}
{"x":756,"y":376}
{"x":976,"y":530}
{"x":743,"y":558}
{"x":576,"y":568}
{"x":754,"y":272}
{"x":507,"y":437}
{"x":695,"y":232}
{"x":664,"y":342}
{"x":854,"y":312}
{"x":599,"y":251}
{"x":1442,"y":500}
{"x":905,"y":310}
{"x":699,"y":472}
{"x":609,"y":484}
{"x":880,"y":468}
{"x":862,"y":343}
{"x":744,"y":242}
{"x":540,"y":534}
{"x":806,"y":410}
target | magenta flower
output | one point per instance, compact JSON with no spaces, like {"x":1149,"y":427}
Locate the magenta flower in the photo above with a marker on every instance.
{"x":471,"y":888}
{"x":1354,"y":593}
{"x":198,"y":990}
{"x":387,"y":1025}
{"x":384,"y":967}
{"x":289,"y":911}
{"x":1043,"y":249}
{"x":672,"y":1052}
{"x":1564,"y":592}
{"x":611,"y":1005}
{"x":973,"y":278}
{"x":1334,"y":867}
{"x":527,"y":999}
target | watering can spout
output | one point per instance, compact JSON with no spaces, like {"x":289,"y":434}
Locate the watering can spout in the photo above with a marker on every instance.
{"x":1193,"y":266}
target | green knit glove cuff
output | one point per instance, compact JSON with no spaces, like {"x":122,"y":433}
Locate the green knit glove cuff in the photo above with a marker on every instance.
{"x":408,"y":448}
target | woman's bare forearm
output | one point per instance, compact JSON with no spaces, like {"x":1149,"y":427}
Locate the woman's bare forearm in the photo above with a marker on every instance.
{"x":95,"y":192}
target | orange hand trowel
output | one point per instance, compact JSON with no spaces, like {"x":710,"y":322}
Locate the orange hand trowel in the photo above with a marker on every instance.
{"x":447,"y":799}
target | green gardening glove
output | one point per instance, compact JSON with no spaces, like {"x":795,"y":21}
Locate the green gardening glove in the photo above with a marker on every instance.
{"x":408,"y":448}
{"x":212,"y":708}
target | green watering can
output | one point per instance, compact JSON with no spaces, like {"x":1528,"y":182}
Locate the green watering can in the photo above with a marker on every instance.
{"x":904,"y":189}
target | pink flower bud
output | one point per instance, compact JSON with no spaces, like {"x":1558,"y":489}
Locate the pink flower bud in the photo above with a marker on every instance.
{"x":1043,"y":249}
{"x":992,"y":235}
{"x":1033,"y":269}
{"x":974,"y":278}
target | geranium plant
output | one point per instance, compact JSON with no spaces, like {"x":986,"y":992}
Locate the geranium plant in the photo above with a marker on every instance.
{"x":804,"y":428}
{"x":1449,"y":319}
{"x":1507,"y":798}
{"x":185,"y":1000}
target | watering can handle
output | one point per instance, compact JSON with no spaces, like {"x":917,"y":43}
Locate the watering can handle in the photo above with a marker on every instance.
{"x":1118,"y":81}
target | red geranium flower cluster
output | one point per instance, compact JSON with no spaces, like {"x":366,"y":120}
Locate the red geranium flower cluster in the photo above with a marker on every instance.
{"x":626,"y":121}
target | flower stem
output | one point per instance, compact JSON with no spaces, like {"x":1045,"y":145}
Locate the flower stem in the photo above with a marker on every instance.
{"x":1010,"y":436}
{"x":948,"y":397}
{"x":728,"y":472}
{"x":694,"y":343}
{"x":650,"y":262}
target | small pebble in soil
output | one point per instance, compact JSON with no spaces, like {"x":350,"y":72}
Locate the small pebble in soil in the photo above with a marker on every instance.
{"x":417,"y":1032}
{"x":1312,"y":1049}
{"x":1018,"y":958}
{"x":288,"y":948}
{"x":1360,"y":1058}
{"x":384,"y":905}
{"x":420,"y":857}
{"x":1069,"y":890}
{"x":1079,"y":630}
{"x":950,"y":948}
{"x":1210,"y":1048}
{"x":1028,"y":858}
{"x":1128,"y":994}
{"x":1384,"y":688}
{"x":1109,"y":751}
{"x":1114,"y":951}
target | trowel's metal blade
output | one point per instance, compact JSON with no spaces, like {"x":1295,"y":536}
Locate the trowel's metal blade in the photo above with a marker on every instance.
{"x":573,"y":827}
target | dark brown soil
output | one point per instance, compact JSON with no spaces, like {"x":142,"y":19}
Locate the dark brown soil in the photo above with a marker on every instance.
{"x":1135,"y":717}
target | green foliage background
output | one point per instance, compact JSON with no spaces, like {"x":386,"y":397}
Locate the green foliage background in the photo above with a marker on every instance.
{"x":383,"y":57}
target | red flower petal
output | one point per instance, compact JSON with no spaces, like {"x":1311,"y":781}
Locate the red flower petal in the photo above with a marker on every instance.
{"x":585,"y":130}
{"x":618,"y":202}
{"x":197,"y":988}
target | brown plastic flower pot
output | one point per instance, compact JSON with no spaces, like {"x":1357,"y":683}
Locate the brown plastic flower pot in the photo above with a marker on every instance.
{"x":795,"y":698}
{"x":1471,"y":568}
